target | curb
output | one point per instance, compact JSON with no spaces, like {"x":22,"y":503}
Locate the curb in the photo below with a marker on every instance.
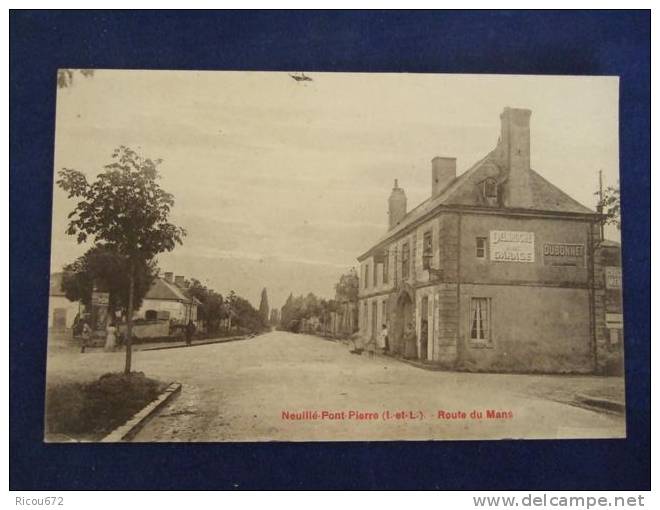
{"x":601,"y":404}
{"x":224,"y":340}
{"x":133,"y":425}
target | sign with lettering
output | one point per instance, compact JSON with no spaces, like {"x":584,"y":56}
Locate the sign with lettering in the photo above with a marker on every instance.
{"x":511,"y":246}
{"x":614,"y":320}
{"x":100,"y":298}
{"x":563,"y":254}
{"x":612,"y":277}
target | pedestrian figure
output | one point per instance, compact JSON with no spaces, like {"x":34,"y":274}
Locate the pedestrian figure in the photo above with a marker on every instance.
{"x":383,"y":341}
{"x":86,"y":336}
{"x":111,"y":336}
{"x":190,"y":330}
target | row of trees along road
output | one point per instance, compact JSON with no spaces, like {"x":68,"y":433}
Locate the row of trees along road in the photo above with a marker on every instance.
{"x":125,"y":213}
{"x":298,"y":308}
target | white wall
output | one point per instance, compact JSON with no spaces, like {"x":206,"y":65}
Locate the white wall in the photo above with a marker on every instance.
{"x":60,"y":302}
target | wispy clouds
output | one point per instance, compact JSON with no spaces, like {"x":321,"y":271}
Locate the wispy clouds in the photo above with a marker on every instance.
{"x":268,"y":174}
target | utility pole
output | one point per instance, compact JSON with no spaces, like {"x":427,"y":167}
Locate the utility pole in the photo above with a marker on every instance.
{"x":600,"y":203}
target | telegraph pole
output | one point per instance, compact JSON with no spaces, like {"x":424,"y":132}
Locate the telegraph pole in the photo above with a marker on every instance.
{"x":600,"y":203}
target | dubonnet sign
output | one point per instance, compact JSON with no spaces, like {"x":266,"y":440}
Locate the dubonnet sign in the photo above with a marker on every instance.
{"x":563,"y":254}
{"x":511,"y":246}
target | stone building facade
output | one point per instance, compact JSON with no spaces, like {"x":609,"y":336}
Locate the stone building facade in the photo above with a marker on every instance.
{"x":494,"y":271}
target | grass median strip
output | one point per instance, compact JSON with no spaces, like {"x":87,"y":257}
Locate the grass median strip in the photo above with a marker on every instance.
{"x":89,"y":411}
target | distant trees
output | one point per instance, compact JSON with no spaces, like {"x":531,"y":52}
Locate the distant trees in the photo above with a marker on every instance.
{"x":246,"y":316}
{"x":348,"y":286}
{"x":297,"y":309}
{"x":211,"y":310}
{"x":65,"y":76}
{"x":301,"y":308}
{"x":263,"y":306}
{"x":125,"y":209}
{"x":610,"y":205}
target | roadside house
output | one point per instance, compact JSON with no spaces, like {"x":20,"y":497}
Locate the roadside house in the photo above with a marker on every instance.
{"x":494,"y":271}
{"x":61,"y":311}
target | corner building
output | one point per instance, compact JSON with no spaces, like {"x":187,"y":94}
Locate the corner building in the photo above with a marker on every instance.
{"x":495,"y":270}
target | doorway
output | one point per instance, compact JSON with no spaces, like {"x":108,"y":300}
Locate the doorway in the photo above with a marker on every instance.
{"x":374,"y":321}
{"x":424,"y":329}
{"x":402,"y":317}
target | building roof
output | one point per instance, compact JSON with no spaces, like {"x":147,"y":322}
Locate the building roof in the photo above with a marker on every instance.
{"x":461,"y":191}
{"x":163,"y":290}
{"x":160,"y":289}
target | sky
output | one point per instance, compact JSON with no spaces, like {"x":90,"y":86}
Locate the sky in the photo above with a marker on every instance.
{"x":282,"y":184}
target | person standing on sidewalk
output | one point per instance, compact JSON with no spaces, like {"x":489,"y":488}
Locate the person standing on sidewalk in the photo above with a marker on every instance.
{"x":190,"y":330}
{"x":383,"y":340}
{"x":86,"y":336}
{"x":410,"y":342}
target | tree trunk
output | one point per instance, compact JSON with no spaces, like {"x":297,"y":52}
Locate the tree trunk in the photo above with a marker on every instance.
{"x":129,"y":319}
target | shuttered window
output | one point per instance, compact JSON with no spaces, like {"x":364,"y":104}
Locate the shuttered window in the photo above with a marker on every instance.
{"x":480,"y":320}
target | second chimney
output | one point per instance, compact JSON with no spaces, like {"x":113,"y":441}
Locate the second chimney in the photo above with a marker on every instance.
{"x":443,"y":171}
{"x":179,"y":280}
{"x":397,"y":205}
{"x":169,"y":277}
{"x":515,"y":142}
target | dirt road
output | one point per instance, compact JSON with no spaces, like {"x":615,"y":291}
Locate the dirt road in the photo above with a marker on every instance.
{"x":288,"y":387}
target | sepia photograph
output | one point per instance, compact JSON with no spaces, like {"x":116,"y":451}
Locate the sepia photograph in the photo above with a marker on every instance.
{"x":252,"y":256}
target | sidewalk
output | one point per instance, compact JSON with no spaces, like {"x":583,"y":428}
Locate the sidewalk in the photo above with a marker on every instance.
{"x":149,"y":346}
{"x":157,"y":346}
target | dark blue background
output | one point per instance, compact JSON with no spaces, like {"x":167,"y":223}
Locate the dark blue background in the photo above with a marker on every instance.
{"x":597,"y":43}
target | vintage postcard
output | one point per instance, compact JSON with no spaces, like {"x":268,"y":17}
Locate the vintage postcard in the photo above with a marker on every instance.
{"x":307,"y":256}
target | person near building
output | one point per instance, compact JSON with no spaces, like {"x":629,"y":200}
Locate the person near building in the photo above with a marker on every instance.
{"x":383,"y":339}
{"x":86,"y":336}
{"x":111,"y":336}
{"x":190,"y":331}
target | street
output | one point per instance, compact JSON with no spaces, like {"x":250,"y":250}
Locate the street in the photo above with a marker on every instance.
{"x":287,"y":387}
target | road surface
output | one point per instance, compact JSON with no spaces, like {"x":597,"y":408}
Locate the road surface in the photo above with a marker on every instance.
{"x":286,"y":387}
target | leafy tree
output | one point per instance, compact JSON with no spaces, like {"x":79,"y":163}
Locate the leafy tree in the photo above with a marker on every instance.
{"x":211,"y":310}
{"x":263,"y":305}
{"x":348,"y":286}
{"x":126,"y":208}
{"x":65,"y":76}
{"x":103,"y":267}
{"x":610,"y":205}
{"x":230,"y":308}
{"x":247,"y":317}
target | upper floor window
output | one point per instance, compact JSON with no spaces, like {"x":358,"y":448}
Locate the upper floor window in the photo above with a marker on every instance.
{"x":386,"y":267}
{"x":375,"y":274}
{"x":490,"y":191}
{"x":481,"y":247}
{"x":405,"y":261}
{"x":427,"y":251}
{"x":366,"y":276}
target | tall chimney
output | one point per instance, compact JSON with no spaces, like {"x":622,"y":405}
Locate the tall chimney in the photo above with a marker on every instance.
{"x":169,"y":277}
{"x":179,"y":280}
{"x":515,"y":151}
{"x":397,"y":205}
{"x":443,"y":171}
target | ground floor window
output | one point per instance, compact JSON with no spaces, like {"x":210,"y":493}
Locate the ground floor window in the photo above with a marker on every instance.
{"x":480,"y":320}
